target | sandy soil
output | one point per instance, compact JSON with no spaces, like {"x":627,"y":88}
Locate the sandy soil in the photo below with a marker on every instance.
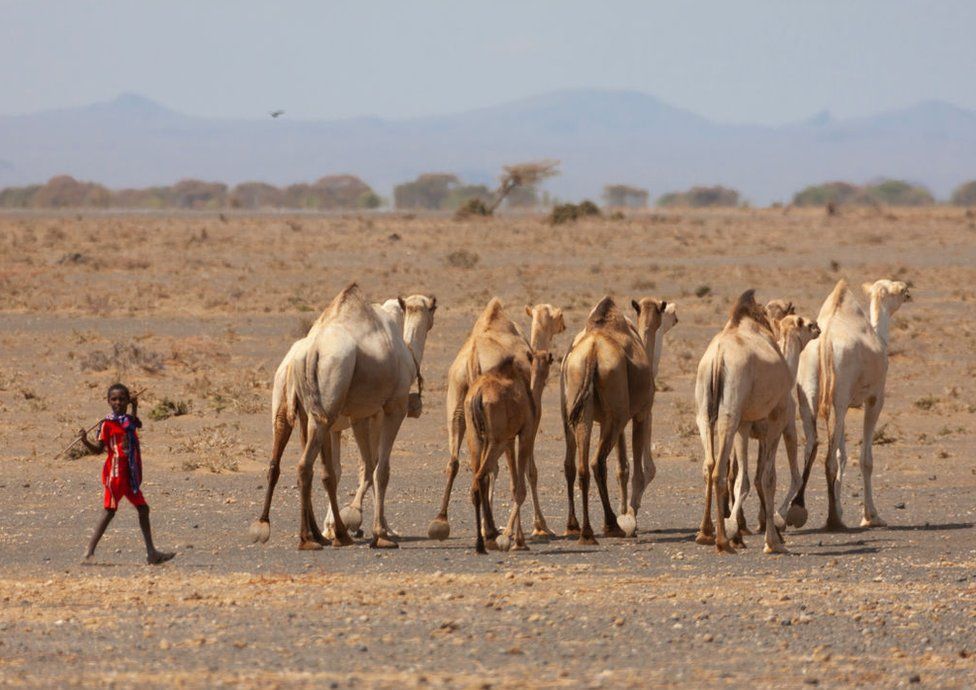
{"x":200,"y":310}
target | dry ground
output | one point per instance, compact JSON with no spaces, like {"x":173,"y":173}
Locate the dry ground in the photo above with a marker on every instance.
{"x":200,"y":310}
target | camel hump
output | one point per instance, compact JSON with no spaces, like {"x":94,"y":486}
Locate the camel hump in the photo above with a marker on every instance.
{"x":606,"y":313}
{"x":494,"y":318}
{"x":350,"y":301}
{"x":837,"y":298}
{"x":744,"y":307}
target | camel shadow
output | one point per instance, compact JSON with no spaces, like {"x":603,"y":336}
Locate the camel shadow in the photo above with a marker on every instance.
{"x":861,"y":550}
{"x":931,"y":527}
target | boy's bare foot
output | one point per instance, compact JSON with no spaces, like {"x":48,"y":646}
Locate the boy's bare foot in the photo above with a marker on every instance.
{"x":159,"y":557}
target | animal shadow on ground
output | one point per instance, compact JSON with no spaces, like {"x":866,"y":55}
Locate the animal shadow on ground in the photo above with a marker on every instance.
{"x":931,"y":528}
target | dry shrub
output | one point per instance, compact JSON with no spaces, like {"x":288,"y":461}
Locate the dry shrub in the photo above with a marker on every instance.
{"x":473,"y":207}
{"x":462,"y":258}
{"x":213,"y":449}
{"x":198,"y":352}
{"x":567,"y":213}
{"x":244,"y":394}
{"x":124,"y":357}
{"x":167,"y":408}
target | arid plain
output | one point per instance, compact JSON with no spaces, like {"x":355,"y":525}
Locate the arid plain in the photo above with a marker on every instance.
{"x":199,"y":309}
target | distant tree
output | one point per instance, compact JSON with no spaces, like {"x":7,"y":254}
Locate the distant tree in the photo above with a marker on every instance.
{"x":522,"y":175}
{"x":65,"y":191}
{"x":340,"y":192}
{"x":462,"y":194}
{"x":429,"y":191}
{"x":899,"y":193}
{"x":255,"y":195}
{"x":701,"y":197}
{"x":197,"y":194}
{"x":18,"y":197}
{"x":523,"y":197}
{"x":835,"y":193}
{"x":965,"y":194}
{"x":624,"y":196}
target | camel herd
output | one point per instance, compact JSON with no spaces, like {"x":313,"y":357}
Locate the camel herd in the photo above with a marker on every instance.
{"x":358,"y":365}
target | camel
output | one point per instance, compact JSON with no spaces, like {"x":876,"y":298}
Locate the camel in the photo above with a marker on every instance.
{"x":494,"y":337}
{"x":357,"y":366}
{"x":742,"y":380}
{"x":286,"y":410}
{"x":669,"y":319}
{"x":794,"y":334}
{"x":607,"y":377}
{"x":846,"y":367}
{"x":500,"y":407}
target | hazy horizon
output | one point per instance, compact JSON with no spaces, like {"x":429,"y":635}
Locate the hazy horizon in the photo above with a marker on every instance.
{"x":758,"y":62}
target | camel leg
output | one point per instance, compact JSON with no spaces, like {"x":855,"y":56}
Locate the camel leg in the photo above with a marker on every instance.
{"x":539,"y":526}
{"x":640,"y":437}
{"x":316,"y":436}
{"x":790,"y":441}
{"x":367,"y":468}
{"x":335,"y":441}
{"x":741,"y":483}
{"x":871,"y":414}
{"x":650,"y":469}
{"x":725,"y":432}
{"x":623,"y":471}
{"x":518,"y":471}
{"x":767,"y":479}
{"x":836,"y":459}
{"x":706,"y":530}
{"x":796,"y":516}
{"x":439,"y":527}
{"x":609,"y":433}
{"x":569,"y":471}
{"x":388,"y":432}
{"x":330,"y":480}
{"x":583,"y":431}
{"x":488,"y":516}
{"x":260,"y":530}
{"x":479,"y":542}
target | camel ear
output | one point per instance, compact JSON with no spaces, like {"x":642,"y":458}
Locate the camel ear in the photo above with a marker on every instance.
{"x":528,"y":311}
{"x":664,"y":305}
{"x":636,"y":305}
{"x":530,"y":356}
{"x":433,"y":304}
{"x":560,"y":324}
{"x":402,"y":303}
{"x":790,"y":309}
{"x":867,"y":288}
{"x":551,"y":358}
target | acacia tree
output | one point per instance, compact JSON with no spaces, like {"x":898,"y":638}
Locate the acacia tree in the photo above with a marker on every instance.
{"x":521,"y":175}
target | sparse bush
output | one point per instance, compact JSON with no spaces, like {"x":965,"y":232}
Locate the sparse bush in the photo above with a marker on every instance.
{"x":702,"y":197}
{"x":624,"y":196}
{"x":965,"y":194}
{"x":835,"y":193}
{"x":886,"y":192}
{"x":167,"y":408}
{"x":124,"y":357}
{"x":472,"y":207}
{"x":462,"y":258}
{"x":213,"y":449}
{"x":702,"y":290}
{"x":567,"y":213}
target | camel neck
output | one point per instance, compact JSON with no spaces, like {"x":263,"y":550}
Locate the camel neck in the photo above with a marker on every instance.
{"x":650,"y":342}
{"x":538,"y":338}
{"x":879,"y":320}
{"x":790,"y":345}
{"x":658,"y":345}
{"x":415,"y":336}
{"x":536,"y":386}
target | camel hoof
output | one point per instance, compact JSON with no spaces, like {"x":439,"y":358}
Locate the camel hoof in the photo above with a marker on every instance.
{"x":540,"y":535}
{"x":383,"y":543}
{"x":588,"y":541}
{"x":779,"y":522}
{"x":745,"y":531}
{"x":873,"y":522}
{"x":737,"y":542}
{"x":359,"y":534}
{"x":504,"y":542}
{"x":520,"y":546}
{"x":259,"y":531}
{"x":439,"y":529}
{"x":705,"y":539}
{"x":731,"y":526}
{"x":614,"y":531}
{"x":491,"y":544}
{"x":835,"y":525}
{"x":628,"y":523}
{"x":796,"y":516}
{"x":342,"y":540}
{"x":775,"y":548}
{"x":724,"y":548}
{"x":352,"y":518}
{"x":309,"y":545}
{"x":571,"y":533}
{"x":542,"y":530}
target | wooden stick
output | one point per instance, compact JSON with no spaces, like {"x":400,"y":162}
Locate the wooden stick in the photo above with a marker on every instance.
{"x":91,"y":428}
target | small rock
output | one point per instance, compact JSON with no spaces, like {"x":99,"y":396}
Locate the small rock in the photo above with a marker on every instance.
{"x":900,"y":506}
{"x":914,"y":678}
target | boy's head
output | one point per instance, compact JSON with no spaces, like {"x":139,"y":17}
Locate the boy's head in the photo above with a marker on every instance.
{"x":118,"y":398}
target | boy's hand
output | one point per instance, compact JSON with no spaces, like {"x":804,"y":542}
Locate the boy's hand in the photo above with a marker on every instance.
{"x":82,"y":435}
{"x":134,"y":401}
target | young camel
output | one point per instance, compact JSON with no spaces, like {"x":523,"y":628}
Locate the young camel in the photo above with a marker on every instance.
{"x":794,"y":334}
{"x":357,"y":366}
{"x":286,"y":411}
{"x":607,"y":377}
{"x":494,"y":338}
{"x":742,"y":379}
{"x":846,"y":367}
{"x":500,"y":407}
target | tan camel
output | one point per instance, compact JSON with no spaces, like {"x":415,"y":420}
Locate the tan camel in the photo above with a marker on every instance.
{"x":846,"y":367}
{"x":500,"y":407}
{"x":494,"y":337}
{"x":742,"y":379}
{"x":286,"y":411}
{"x":607,"y":377}
{"x":794,"y":334}
{"x":357,"y":366}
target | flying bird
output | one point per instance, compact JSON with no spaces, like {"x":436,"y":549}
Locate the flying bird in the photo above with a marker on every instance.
{"x":276,"y":113}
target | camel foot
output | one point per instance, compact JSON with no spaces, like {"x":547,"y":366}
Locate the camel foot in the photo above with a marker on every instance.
{"x":705,"y":539}
{"x":491,"y":544}
{"x":835,"y":524}
{"x":379,"y":542}
{"x":309,"y":545}
{"x":504,"y":542}
{"x":479,"y":548}
{"x":628,"y":523}
{"x":731,"y":526}
{"x":520,"y":546}
{"x":352,"y":518}
{"x":342,"y":540}
{"x":775,"y":548}
{"x":796,"y":516}
{"x":874,"y":521}
{"x":259,"y":531}
{"x":779,"y":522}
{"x":613,"y":530}
{"x":439,"y":529}
{"x":745,"y":531}
{"x":539,"y":535}
{"x":588,"y":541}
{"x":541,"y":529}
{"x":571,"y":533}
{"x":88,"y":559}
{"x":737,"y":541}
{"x":160,"y":557}
{"x":724,"y":547}
{"x":359,"y":533}
{"x":572,"y":527}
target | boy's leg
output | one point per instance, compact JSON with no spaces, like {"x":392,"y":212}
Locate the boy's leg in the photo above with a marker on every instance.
{"x":153,"y":556}
{"x":100,"y":528}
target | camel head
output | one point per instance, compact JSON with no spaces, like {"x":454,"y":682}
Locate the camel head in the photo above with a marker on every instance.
{"x":891,"y":294}
{"x":805,"y":330}
{"x":547,"y":322}
{"x":775,"y":311}
{"x":650,"y":316}
{"x":669,"y":318}
{"x":418,"y":320}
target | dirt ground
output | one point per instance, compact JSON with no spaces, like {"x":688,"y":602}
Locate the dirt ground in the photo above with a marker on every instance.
{"x":199,"y":309}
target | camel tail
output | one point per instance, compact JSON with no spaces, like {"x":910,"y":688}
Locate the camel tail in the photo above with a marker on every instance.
{"x":826,"y":379}
{"x":716,"y":389}
{"x":585,"y":393}
{"x":474,"y":366}
{"x":479,"y":424}
{"x":309,"y":381}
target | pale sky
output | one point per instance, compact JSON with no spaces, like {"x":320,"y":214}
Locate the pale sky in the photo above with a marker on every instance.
{"x":762,"y":62}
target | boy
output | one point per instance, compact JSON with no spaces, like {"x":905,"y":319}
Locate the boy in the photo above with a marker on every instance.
{"x":122,"y":473}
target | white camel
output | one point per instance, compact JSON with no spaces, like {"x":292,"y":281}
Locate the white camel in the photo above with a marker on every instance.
{"x":846,"y":367}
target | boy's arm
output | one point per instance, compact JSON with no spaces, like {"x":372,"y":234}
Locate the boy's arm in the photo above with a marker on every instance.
{"x":93,"y":447}
{"x":134,"y":402}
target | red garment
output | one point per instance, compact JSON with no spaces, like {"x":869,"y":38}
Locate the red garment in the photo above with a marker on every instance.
{"x":115,"y":472}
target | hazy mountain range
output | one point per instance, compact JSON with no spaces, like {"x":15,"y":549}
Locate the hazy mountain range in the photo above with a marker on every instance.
{"x":600,"y":136}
